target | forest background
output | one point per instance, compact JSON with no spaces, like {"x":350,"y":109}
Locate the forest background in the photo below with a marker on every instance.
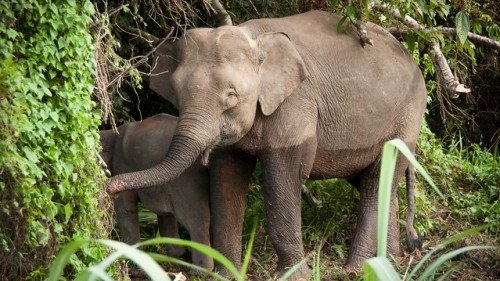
{"x":70,"y":68}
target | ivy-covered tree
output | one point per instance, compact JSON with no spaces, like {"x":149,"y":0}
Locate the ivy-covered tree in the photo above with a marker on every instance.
{"x":50,"y":182}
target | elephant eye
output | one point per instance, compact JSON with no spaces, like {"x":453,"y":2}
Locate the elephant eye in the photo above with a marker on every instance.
{"x":230,"y":99}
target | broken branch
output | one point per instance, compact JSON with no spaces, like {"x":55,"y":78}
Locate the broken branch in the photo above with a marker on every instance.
{"x":223,"y":18}
{"x":482,"y":40}
{"x":453,"y":87}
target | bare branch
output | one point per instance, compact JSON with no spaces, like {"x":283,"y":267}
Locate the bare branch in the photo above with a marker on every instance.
{"x":137,"y":33}
{"x":482,"y":40}
{"x":313,"y":201}
{"x":360,"y":24}
{"x":223,"y":18}
{"x":141,"y":61}
{"x":451,"y":84}
{"x":472,"y":37}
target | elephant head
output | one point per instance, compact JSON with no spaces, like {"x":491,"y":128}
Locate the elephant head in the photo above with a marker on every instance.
{"x":218,"y":79}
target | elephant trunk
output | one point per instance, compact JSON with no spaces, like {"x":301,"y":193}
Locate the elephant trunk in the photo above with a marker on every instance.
{"x":189,"y":142}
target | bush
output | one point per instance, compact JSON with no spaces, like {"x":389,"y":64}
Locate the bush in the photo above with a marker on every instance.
{"x":49,"y":183}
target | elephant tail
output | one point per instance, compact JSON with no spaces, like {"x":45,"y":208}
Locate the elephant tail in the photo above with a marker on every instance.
{"x":413,"y":239}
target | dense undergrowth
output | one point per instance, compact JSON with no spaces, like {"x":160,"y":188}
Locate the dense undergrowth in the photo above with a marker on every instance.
{"x":49,"y":177}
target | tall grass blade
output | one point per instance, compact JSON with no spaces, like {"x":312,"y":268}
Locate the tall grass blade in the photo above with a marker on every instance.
{"x":444,"y":277}
{"x":389,"y":157}
{"x":409,"y":155}
{"x":202,"y":248}
{"x":97,"y":272}
{"x":443,"y":245}
{"x":248,"y":253}
{"x":163,"y":258}
{"x":140,"y":258}
{"x":431,"y":269}
{"x":379,"y":268}
{"x":294,"y":268}
{"x":317,"y":271}
{"x":56,"y":269}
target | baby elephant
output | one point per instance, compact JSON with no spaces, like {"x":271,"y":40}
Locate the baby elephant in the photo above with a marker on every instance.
{"x":139,"y":146}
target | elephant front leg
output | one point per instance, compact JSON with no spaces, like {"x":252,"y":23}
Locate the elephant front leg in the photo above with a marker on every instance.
{"x":230,"y":174}
{"x":282,"y":178}
{"x":167,"y":225}
{"x":127,"y":216}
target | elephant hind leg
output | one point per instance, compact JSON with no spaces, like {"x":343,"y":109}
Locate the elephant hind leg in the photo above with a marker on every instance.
{"x":364,"y":244}
{"x":167,"y":225}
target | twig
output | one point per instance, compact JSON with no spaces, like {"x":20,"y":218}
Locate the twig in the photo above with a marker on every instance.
{"x":313,"y":201}
{"x":360,"y":24}
{"x":453,"y":87}
{"x":142,"y":60}
{"x":223,"y":18}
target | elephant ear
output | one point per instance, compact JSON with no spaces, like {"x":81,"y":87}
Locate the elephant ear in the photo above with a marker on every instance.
{"x":281,"y":70}
{"x":164,"y":64}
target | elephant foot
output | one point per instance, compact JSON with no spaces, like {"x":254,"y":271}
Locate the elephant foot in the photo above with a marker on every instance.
{"x":222,"y":271}
{"x":413,"y":242}
{"x":176,"y":251}
{"x":358,"y":255}
{"x":303,"y":273}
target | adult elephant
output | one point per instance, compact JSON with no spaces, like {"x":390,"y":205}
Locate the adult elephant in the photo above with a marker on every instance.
{"x":308,"y":102}
{"x":141,"y":145}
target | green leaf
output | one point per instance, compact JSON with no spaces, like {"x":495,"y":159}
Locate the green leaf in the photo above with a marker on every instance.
{"x":340,"y":24}
{"x":167,"y":259}
{"x":379,"y":268}
{"x":389,"y":158}
{"x":202,"y":248}
{"x":410,"y":40}
{"x":333,"y":4}
{"x":351,"y":13}
{"x":141,"y":259}
{"x":248,"y":254}
{"x":294,"y":268}
{"x":462,"y":24}
{"x":30,"y":155}
{"x":409,"y":155}
{"x":68,"y":211}
{"x":57,"y":267}
{"x":442,"y":245}
{"x":431,"y":269}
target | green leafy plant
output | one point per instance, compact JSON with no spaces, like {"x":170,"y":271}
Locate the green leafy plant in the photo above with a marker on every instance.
{"x":147,"y":261}
{"x":379,"y":268}
{"x":49,"y":176}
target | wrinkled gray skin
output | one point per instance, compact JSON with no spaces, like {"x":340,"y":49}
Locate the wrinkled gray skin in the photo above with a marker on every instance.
{"x":306,"y":101}
{"x":141,"y":145}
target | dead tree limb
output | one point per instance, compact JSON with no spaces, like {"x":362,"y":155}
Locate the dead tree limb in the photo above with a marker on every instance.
{"x":360,"y":24}
{"x":478,"y":39}
{"x":453,"y":87}
{"x":223,"y":18}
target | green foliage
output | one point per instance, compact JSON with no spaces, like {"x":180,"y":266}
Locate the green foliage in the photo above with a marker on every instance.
{"x":148,"y":262}
{"x":48,"y":135}
{"x":462,"y":24}
{"x":379,"y":268}
{"x":469,"y":175}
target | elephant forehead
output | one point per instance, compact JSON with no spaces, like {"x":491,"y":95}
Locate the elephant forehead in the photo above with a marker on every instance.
{"x":214,"y":75}
{"x":223,"y":44}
